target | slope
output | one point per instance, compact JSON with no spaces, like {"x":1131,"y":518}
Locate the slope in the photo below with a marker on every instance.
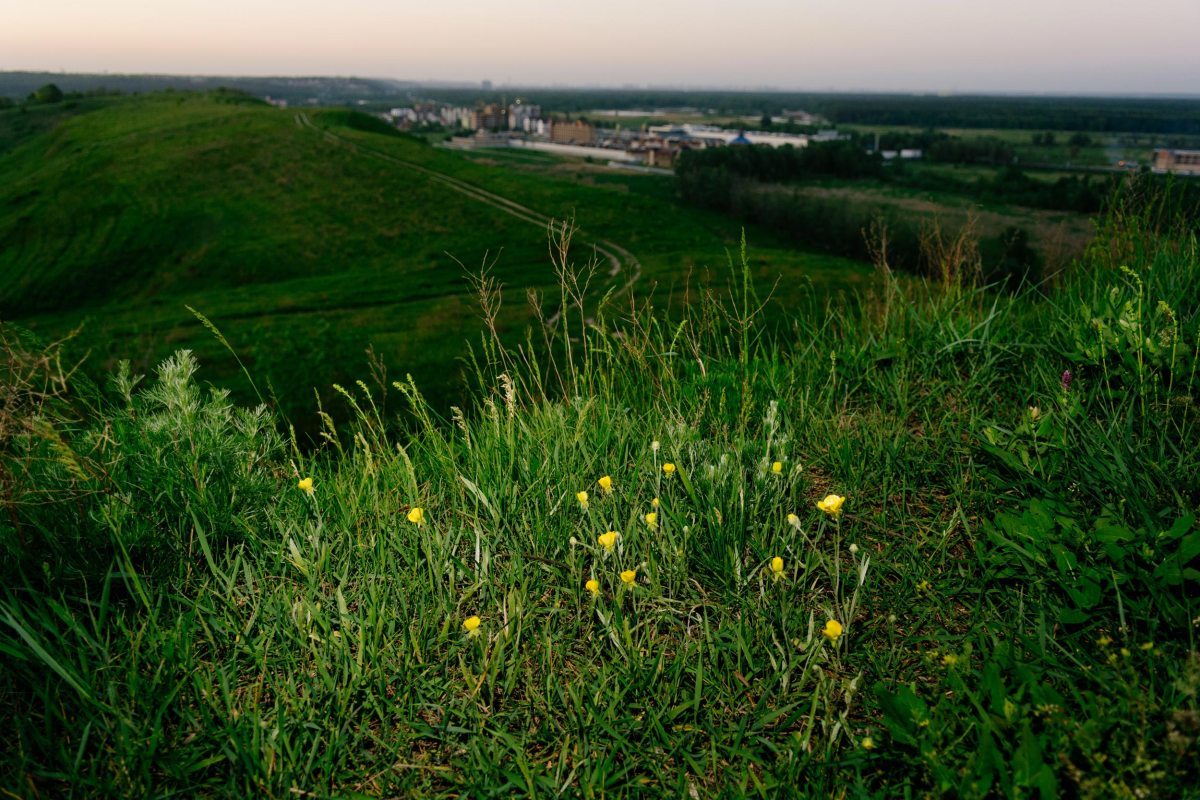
{"x":305,"y":248}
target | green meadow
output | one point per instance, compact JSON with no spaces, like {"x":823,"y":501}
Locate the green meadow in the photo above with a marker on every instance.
{"x":917,"y":538}
{"x":120,"y":214}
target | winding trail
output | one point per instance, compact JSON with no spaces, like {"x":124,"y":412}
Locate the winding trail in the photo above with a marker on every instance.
{"x":620,"y":260}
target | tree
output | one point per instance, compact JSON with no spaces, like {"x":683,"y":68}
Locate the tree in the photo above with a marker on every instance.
{"x":47,"y":94}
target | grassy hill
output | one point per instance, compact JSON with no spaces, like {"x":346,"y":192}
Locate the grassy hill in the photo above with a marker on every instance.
{"x":940,"y":544}
{"x":120,"y":212}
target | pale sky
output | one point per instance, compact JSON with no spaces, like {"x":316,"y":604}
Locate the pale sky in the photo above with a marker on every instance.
{"x":1050,"y":46}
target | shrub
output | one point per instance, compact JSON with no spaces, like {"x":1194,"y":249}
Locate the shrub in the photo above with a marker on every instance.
{"x":145,"y":481}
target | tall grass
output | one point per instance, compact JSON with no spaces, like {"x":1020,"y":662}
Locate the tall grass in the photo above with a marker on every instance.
{"x":1014,"y":570}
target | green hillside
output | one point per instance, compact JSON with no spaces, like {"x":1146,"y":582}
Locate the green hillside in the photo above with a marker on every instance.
{"x":938,"y":542}
{"x":120,"y":213}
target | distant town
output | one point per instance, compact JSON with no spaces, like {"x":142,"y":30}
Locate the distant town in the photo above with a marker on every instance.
{"x":524,"y":125}
{"x":520,"y":124}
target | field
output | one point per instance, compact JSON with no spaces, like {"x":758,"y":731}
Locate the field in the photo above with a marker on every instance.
{"x":127,"y":211}
{"x":1106,"y":149}
{"x":939,"y":543}
{"x":1059,"y":237}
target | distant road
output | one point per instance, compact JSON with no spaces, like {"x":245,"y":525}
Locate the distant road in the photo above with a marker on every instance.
{"x":620,"y":260}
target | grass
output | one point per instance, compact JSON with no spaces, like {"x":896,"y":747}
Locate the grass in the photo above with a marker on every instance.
{"x":121,"y":213}
{"x":1013,"y":571}
{"x":19,"y":124}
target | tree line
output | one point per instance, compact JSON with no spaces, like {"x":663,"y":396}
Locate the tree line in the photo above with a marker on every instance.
{"x":761,"y":185}
{"x":706,"y":176}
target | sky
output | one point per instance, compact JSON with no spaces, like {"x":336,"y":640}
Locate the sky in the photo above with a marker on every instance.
{"x":1006,"y":46}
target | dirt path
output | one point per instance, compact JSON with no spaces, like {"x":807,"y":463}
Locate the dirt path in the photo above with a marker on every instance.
{"x":620,"y":260}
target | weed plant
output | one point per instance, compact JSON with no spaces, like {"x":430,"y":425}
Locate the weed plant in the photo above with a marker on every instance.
{"x":627,"y":569}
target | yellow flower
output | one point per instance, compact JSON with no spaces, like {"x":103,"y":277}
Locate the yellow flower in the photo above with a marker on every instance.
{"x":605,"y":483}
{"x":1104,"y":641}
{"x":652,"y":520}
{"x":867,"y":743}
{"x":832,"y":630}
{"x":924,"y":586}
{"x":777,"y":467}
{"x":305,"y":485}
{"x":654,"y":502}
{"x":593,"y":586}
{"x":793,"y":520}
{"x":628,"y":577}
{"x":471,"y":626}
{"x":582,"y":497}
{"x":777,"y":566}
{"x":417,"y":515}
{"x":669,"y":469}
{"x":608,"y":540}
{"x":832,"y":504}
{"x":1147,"y":645}
{"x":1034,"y":413}
{"x":949,"y":659}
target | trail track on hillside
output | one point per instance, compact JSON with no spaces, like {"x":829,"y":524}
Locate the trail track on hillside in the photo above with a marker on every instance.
{"x":621,"y":262}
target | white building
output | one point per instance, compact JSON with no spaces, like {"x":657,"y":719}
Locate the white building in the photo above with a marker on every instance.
{"x":712,"y":136}
{"x":522,"y":117}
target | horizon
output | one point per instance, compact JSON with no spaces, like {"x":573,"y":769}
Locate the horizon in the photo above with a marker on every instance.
{"x":931,"y":47}
{"x":444,"y":83}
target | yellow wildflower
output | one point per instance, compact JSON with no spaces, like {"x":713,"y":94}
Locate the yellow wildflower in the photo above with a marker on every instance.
{"x":832,"y":630}
{"x":593,"y":586}
{"x":605,"y":483}
{"x":652,"y":520}
{"x":608,"y":539}
{"x":669,"y":469}
{"x":949,"y":660}
{"x":1125,"y":652}
{"x":777,"y":467}
{"x":582,"y":497}
{"x":867,"y":743}
{"x":417,"y":515}
{"x":777,"y":566}
{"x":924,"y":586}
{"x":832,"y":504}
{"x":628,"y":577}
{"x":793,"y":520}
{"x":1147,"y":645}
{"x":305,"y":485}
{"x":471,"y":626}
{"x":853,"y":549}
{"x":1104,"y":641}
{"x":1034,"y":413}
{"x":654,"y":502}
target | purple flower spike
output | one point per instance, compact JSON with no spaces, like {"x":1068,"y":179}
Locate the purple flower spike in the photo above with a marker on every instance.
{"x":1066,"y":380}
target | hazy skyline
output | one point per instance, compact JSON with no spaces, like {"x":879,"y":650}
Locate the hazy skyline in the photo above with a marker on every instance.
{"x":1052,"y":46}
